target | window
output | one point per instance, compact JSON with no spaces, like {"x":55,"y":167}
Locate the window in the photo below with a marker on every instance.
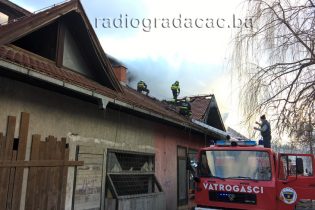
{"x":284,"y":166}
{"x":3,"y":18}
{"x":308,"y":165}
{"x":292,"y":165}
{"x":227,"y":164}
{"x":130,"y":174}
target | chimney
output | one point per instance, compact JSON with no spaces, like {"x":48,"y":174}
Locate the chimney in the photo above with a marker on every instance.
{"x":121,"y":74}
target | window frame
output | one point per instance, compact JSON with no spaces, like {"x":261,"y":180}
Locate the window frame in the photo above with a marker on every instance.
{"x":110,"y":184}
{"x":269,"y":156}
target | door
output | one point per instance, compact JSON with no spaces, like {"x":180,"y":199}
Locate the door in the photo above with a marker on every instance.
{"x":296,"y":180}
{"x":182,"y":194}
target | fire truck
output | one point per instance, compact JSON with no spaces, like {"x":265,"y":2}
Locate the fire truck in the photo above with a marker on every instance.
{"x":242,"y":175}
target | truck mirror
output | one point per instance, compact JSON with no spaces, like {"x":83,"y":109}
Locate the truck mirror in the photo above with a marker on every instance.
{"x":299,"y":166}
{"x":191,"y":165}
{"x":196,"y":179}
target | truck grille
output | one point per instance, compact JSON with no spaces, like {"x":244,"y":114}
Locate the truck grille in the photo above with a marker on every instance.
{"x":230,"y":197}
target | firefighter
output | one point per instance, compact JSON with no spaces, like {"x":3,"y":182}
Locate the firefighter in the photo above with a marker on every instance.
{"x":265,"y":131}
{"x":175,"y":90}
{"x":185,"y":108}
{"x":142,"y":87}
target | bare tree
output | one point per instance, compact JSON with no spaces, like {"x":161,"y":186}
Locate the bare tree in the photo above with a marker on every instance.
{"x":303,"y":131}
{"x":275,"y":62}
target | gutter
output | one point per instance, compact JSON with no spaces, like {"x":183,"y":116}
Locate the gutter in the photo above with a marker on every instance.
{"x":103,"y":100}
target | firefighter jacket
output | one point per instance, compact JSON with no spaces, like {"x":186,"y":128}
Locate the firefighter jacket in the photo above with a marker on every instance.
{"x":175,"y":87}
{"x":141,"y":85}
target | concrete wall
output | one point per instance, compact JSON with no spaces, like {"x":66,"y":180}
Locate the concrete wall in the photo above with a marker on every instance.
{"x":95,"y":131}
{"x":81,"y":122}
{"x":56,"y":114}
{"x":167,"y":139}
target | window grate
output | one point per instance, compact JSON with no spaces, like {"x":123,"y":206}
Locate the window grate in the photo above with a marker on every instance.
{"x":134,"y":184}
{"x":127,"y":162}
{"x":131,"y":174}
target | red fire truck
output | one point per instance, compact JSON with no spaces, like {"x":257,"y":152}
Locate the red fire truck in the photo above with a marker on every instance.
{"x":241,"y":175}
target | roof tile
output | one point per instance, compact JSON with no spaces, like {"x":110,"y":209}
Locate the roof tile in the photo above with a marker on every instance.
{"x":199,"y":106}
{"x":130,"y":96}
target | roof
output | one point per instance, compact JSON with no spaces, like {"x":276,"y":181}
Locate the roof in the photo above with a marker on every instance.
{"x":15,"y":30}
{"x":235,"y":134}
{"x":204,"y":109}
{"x":200,"y":106}
{"x":20,"y":57}
{"x":47,"y":67}
{"x":13,"y":8}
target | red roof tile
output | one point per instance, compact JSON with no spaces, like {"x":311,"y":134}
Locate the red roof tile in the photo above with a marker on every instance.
{"x":199,"y":106}
{"x":47,"y":67}
{"x":25,"y":25}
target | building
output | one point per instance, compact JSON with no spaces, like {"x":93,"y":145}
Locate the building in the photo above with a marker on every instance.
{"x":134,"y":149}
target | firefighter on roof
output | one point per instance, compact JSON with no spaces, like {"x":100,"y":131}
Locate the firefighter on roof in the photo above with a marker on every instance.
{"x":185,"y":108}
{"x":142,"y":87}
{"x":175,"y":90}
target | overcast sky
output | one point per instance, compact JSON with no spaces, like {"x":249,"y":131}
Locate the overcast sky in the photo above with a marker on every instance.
{"x":196,"y":57}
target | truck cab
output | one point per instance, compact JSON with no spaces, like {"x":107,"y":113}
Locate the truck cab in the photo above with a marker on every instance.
{"x":242,"y":175}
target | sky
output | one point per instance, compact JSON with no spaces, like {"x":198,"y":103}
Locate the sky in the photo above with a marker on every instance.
{"x":197,"y":57}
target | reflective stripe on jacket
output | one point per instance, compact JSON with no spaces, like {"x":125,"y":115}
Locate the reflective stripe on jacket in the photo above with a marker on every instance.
{"x":174,"y":87}
{"x":141,"y":84}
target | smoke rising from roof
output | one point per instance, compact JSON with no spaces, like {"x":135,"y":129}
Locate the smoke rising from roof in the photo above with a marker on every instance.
{"x":159,"y":75}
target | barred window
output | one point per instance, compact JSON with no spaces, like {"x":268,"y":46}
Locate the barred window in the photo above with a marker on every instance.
{"x":130,"y":174}
{"x":122,"y":162}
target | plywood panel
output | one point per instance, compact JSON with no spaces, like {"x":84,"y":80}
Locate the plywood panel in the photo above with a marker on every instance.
{"x":32,"y":191}
{"x":53,"y":174}
{"x":5,"y":173}
{"x":89,"y":182}
{"x":23,"y":133}
{"x":47,"y":177}
{"x":64,"y":175}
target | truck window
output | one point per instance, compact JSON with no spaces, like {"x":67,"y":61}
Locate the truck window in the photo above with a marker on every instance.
{"x":235,"y":164}
{"x":283,"y":167}
{"x":204,"y":169}
{"x":288,"y":166}
{"x":308,"y":166}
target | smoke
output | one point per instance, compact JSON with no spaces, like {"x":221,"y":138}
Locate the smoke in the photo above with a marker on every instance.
{"x":159,"y":75}
{"x":131,"y":77}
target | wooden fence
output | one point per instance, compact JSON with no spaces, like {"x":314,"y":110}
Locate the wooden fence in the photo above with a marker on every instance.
{"x":47,"y":174}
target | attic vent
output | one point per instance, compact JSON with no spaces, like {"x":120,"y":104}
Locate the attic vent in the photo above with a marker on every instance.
{"x":41,"y":42}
